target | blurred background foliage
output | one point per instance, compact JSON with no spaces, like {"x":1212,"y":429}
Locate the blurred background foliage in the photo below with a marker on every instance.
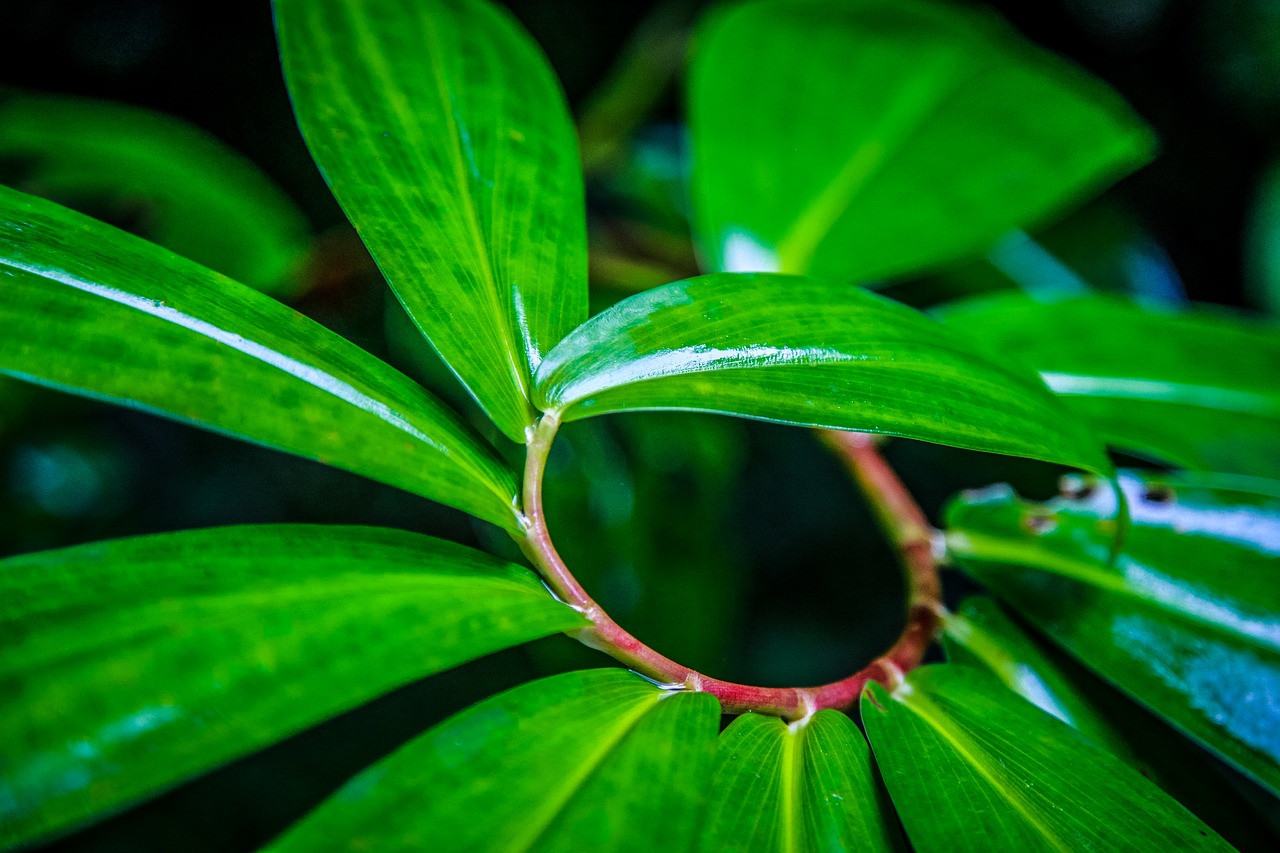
{"x":738,"y":548}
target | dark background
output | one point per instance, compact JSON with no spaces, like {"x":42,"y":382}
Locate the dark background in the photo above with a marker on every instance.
{"x":770,"y":529}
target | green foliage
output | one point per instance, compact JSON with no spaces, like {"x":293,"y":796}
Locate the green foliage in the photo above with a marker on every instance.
{"x":177,"y":186}
{"x":129,"y":666}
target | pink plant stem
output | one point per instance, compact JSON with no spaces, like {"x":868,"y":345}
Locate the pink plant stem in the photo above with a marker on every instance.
{"x":902,"y":518}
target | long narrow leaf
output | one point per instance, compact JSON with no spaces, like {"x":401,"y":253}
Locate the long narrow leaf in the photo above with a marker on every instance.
{"x":806,"y":786}
{"x":972,"y":766}
{"x":1186,"y":619}
{"x":802,"y":351}
{"x":594,"y":760}
{"x":131,"y":665}
{"x":445,"y":136}
{"x":95,"y":311}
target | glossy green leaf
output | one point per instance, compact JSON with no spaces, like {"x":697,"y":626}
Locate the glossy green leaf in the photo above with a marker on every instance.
{"x":445,"y":136}
{"x":175,"y":185}
{"x":797,"y":350}
{"x":796,"y":787}
{"x":1187,"y":618}
{"x":593,"y":760}
{"x":131,"y":665}
{"x":982,"y":635}
{"x":1194,"y":387}
{"x":972,"y":766}
{"x":909,"y":134}
{"x":95,"y":311}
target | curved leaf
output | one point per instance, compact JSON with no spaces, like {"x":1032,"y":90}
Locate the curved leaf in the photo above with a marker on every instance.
{"x":972,"y":766}
{"x":797,"y":350}
{"x":181,"y":187}
{"x":1186,"y":620}
{"x":804,"y":786}
{"x":131,"y":665}
{"x":1195,"y":387}
{"x":911,"y":134}
{"x":445,"y":136}
{"x":95,"y":311}
{"x":593,"y":760}
{"x":980,"y":634}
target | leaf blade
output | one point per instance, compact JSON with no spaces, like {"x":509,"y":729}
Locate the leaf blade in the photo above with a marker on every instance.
{"x":577,"y":760}
{"x":445,"y":136}
{"x":808,"y":787}
{"x":1183,"y":621}
{"x":971,"y":766}
{"x":95,"y":311}
{"x":890,"y":98}
{"x":801,"y":351}
{"x":134,"y":664}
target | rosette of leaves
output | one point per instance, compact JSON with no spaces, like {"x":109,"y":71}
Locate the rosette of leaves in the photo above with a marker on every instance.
{"x":129,"y":666}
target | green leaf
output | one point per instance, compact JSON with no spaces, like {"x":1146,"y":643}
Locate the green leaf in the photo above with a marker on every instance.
{"x":179,"y":186}
{"x":1262,"y":242}
{"x":95,"y":311}
{"x":131,"y":665}
{"x":592,"y":760}
{"x":801,"y":351}
{"x":972,"y":766}
{"x":803,"y":786}
{"x":445,"y":136}
{"x":1184,"y":620}
{"x":980,"y":634}
{"x":859,"y":139}
{"x":1195,"y":387}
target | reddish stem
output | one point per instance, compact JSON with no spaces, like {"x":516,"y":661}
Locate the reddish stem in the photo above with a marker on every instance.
{"x":902,"y":519}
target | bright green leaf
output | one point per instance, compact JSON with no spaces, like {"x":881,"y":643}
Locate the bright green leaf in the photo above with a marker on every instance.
{"x":971,"y":766}
{"x":131,"y":665}
{"x":445,"y":136}
{"x":180,"y":187}
{"x":797,"y":350}
{"x":95,"y":311}
{"x":980,"y":634}
{"x":1185,"y":619}
{"x":592,"y":760}
{"x":858,"y":139}
{"x":1195,"y":387}
{"x":796,"y":787}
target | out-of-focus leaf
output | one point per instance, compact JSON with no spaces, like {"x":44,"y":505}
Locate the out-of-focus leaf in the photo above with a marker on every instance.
{"x":1262,"y":248}
{"x":444,"y":134}
{"x":797,"y":350}
{"x":1187,"y":617}
{"x":95,"y":311}
{"x":1194,"y":387}
{"x":171,"y":182}
{"x":900,"y":140}
{"x":972,"y":766}
{"x":804,"y":786}
{"x":130,"y":665}
{"x":592,"y":760}
{"x":980,"y":634}
{"x":1097,"y":248}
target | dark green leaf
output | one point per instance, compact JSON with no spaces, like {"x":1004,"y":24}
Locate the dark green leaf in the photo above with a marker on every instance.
{"x":445,"y":136}
{"x":1262,"y":247}
{"x":177,"y":185}
{"x":982,"y":635}
{"x":804,"y":786}
{"x":128,"y":666}
{"x":1186,"y":618}
{"x":1195,"y":387}
{"x":971,"y":766}
{"x":802,"y":351}
{"x":592,"y":760}
{"x":858,"y":139}
{"x":95,"y":311}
